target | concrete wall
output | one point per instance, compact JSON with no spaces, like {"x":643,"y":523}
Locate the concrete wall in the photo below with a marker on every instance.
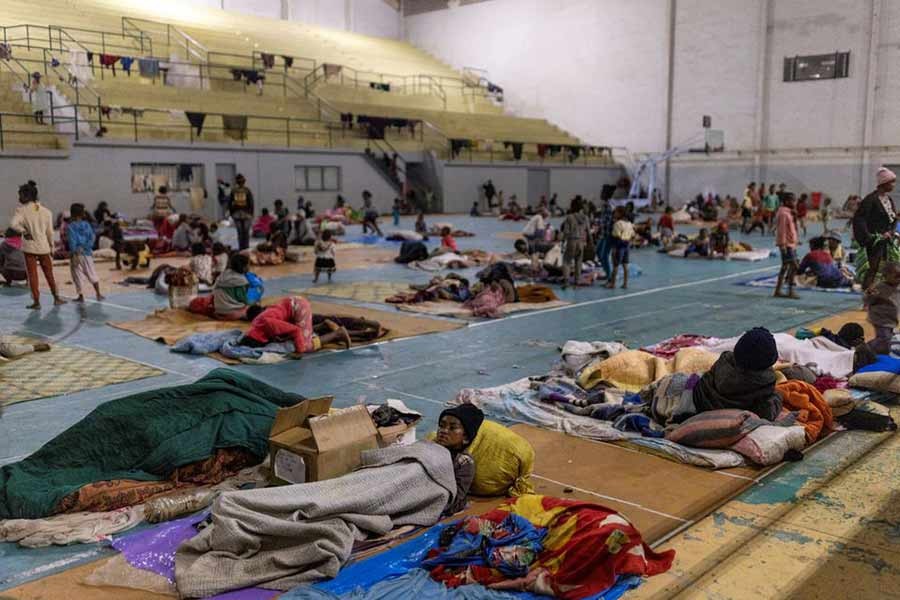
{"x":462,"y":182}
{"x":368,"y":17}
{"x":96,"y":172}
{"x":596,"y":69}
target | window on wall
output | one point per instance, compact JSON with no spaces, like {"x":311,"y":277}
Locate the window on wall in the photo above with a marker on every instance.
{"x":149,"y":177}
{"x":317,"y":179}
{"x":818,"y":66}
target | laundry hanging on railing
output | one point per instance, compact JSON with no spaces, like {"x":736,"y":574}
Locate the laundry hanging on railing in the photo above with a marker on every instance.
{"x":79,"y":66}
{"x":109,"y":61}
{"x":516,"y":149}
{"x":137,"y":112}
{"x":347,"y":120}
{"x":185,"y":172}
{"x":574,"y":153}
{"x":126,"y":62}
{"x":184,"y":75}
{"x":5,"y":51}
{"x":331,"y":70}
{"x":288,"y":61}
{"x":149,"y":67}
{"x":457,"y":145}
{"x":268,"y":60}
{"x":54,"y":62}
{"x":382,"y":87}
{"x":542,"y":150}
{"x":235,"y":126}
{"x":555,"y":149}
{"x":196,"y":120}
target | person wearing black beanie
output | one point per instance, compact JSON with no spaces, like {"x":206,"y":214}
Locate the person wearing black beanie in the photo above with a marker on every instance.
{"x":457,"y":429}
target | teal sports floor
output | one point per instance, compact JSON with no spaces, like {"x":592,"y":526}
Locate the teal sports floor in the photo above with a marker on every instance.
{"x":671,"y":296}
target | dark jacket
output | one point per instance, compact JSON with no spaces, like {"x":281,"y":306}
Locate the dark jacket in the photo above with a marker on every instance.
{"x":728,"y":386}
{"x":871,"y":220}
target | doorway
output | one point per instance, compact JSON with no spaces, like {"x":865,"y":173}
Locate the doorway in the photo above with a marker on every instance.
{"x":538,"y":185}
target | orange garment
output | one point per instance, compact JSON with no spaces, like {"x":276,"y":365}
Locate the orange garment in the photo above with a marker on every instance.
{"x":805,"y":399}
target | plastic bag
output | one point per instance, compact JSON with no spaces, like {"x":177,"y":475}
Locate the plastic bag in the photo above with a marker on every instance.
{"x":504,"y":461}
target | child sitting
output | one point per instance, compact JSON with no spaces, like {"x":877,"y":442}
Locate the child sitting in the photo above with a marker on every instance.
{"x":219,"y":259}
{"x":80,"y":241}
{"x":622,"y":234}
{"x":181,"y":238}
{"x":447,"y":240}
{"x":12,"y":259}
{"x":263,"y":225}
{"x":881,"y":305}
{"x":201,"y":264}
{"x":474,"y":212}
{"x":719,"y":240}
{"x":421,"y":227}
{"x":666,"y":228}
{"x":324,"y":250}
{"x":230,"y":297}
{"x":699,"y":245}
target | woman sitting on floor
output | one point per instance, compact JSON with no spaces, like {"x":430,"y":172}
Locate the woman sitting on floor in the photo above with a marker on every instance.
{"x":819,"y":263}
{"x":230,"y":297}
{"x":290,"y":320}
{"x":263,"y":224}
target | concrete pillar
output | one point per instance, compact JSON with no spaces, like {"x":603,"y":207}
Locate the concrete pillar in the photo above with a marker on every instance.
{"x":761,"y":131}
{"x":349,"y":25}
{"x":670,"y":96}
{"x":286,"y":10}
{"x":865,"y":167}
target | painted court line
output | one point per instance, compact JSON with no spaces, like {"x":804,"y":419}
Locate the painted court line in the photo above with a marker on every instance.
{"x":665,"y":288}
{"x":613,"y":498}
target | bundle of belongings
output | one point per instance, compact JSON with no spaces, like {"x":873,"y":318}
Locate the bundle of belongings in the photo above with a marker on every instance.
{"x":759,"y":398}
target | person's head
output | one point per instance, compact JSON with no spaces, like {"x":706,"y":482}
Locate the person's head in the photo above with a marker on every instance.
{"x":817,"y":243}
{"x":544,"y":212}
{"x":11,"y":233}
{"x":367,"y":195}
{"x":339,"y":201}
{"x":28,"y":192}
{"x":421,"y":216}
{"x":396,"y":201}
{"x":787,"y":199}
{"x":265,"y":212}
{"x":239,"y":263}
{"x":214,"y":227}
{"x":76,"y":211}
{"x":722,"y":226}
{"x":703,"y":233}
{"x":521,"y":246}
{"x":852,"y":333}
{"x":103,"y":205}
{"x":886,"y":179}
{"x":458,"y":426}
{"x":253,"y":312}
{"x":182,"y":219}
{"x":834,"y":241}
{"x":772,"y":188}
{"x":198,"y":249}
{"x":756,"y":350}
{"x":301,"y":203}
{"x":326,"y":235}
{"x":219,"y":248}
{"x":803,"y":198}
{"x":782,"y":186}
{"x":891,"y":273}
{"x":239,"y":179}
{"x":445,"y":232}
{"x":577,"y":205}
{"x":669,"y":210}
{"x":619,"y":213}
{"x":827,"y":201}
{"x":475,"y":204}
{"x":278,"y":204}
{"x":163,"y":190}
{"x":751,"y":185}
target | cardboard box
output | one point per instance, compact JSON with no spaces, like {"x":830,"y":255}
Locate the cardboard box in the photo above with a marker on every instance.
{"x":403,"y":434}
{"x":307,"y":443}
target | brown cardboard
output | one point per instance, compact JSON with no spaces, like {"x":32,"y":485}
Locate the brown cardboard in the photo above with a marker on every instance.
{"x":307,"y":443}
{"x":388,"y":436}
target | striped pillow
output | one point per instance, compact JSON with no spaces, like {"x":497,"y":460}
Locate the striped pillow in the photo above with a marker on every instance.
{"x":715,"y":428}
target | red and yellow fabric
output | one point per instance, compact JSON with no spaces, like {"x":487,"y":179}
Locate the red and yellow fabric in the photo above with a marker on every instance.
{"x":289,"y":319}
{"x":586,"y":548}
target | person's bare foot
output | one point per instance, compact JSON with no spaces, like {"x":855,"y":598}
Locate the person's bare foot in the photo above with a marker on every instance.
{"x":80,"y":299}
{"x":346,"y":337}
{"x":34,"y":306}
{"x":610,"y":285}
{"x":624,"y":286}
{"x":100,"y":297}
{"x":793,"y":296}
{"x":58,"y":301}
{"x":42,"y":347}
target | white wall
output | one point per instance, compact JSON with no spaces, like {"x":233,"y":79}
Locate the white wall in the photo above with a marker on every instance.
{"x":257,"y":8}
{"x":269,"y":173}
{"x":596,"y":69}
{"x":462,"y":182}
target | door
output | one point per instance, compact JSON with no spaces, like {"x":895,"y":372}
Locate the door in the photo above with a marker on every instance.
{"x":225,"y":172}
{"x":538,"y":185}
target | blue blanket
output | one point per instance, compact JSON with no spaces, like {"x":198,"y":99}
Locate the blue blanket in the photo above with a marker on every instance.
{"x":226,"y":343}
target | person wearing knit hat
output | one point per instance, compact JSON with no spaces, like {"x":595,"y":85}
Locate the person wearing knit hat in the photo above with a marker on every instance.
{"x":457,"y":428}
{"x":742,"y":379}
{"x":873,"y":226}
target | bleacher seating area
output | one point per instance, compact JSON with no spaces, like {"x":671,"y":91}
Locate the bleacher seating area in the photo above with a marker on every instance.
{"x":312,"y":76}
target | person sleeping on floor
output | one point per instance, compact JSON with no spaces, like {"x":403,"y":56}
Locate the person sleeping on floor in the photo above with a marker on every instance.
{"x":291,"y":319}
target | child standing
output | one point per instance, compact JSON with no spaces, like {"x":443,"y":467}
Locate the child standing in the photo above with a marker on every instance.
{"x":825,"y":214}
{"x":81,"y":250}
{"x":802,"y":210}
{"x":396,"y":212}
{"x":421,"y":227}
{"x":324,"y":256}
{"x":881,"y":304}
{"x":622,"y":234}
{"x":201,"y":264}
{"x":575,"y":230}
{"x":786,"y":240}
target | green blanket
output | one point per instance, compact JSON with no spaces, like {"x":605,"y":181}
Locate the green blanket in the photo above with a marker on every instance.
{"x":144,"y":437}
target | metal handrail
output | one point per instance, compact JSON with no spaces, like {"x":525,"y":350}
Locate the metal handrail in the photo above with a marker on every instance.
{"x":4,"y":129}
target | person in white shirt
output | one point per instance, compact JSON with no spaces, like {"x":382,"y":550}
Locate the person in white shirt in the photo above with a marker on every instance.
{"x":36,"y":225}
{"x":536,"y":226}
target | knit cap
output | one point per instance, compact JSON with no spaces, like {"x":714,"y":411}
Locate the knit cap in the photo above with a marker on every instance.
{"x":756,"y":350}
{"x":885,"y":175}
{"x":469,"y":415}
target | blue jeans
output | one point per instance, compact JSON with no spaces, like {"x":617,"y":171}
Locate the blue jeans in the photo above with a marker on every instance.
{"x":604,"y":247}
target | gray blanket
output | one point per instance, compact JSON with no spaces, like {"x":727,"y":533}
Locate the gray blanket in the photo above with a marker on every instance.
{"x":283,"y":536}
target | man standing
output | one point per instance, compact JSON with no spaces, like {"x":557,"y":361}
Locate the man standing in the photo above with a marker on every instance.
{"x":240,"y":207}
{"x":604,"y":237}
{"x":489,"y":192}
{"x":874,"y":223}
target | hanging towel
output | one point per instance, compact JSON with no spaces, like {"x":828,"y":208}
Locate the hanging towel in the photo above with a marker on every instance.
{"x":5,"y":51}
{"x":196,"y":120}
{"x":185,"y":173}
{"x":235,"y":126}
{"x":149,"y":67}
{"x":331,"y":70}
{"x":288,"y":61}
{"x":268,"y":60}
{"x":127,"y":61}
{"x":109,"y":61}
{"x":90,"y":57}
{"x":54,"y":62}
{"x":237,"y":74}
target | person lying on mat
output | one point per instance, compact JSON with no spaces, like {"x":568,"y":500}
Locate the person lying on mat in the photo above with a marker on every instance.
{"x":457,"y":428}
{"x":743,"y":378}
{"x":291,"y":320}
{"x":11,"y":348}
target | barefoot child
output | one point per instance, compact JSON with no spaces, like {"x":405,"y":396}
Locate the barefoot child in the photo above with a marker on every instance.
{"x":324,"y":256}
{"x":622,"y":234}
{"x":81,"y":249}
